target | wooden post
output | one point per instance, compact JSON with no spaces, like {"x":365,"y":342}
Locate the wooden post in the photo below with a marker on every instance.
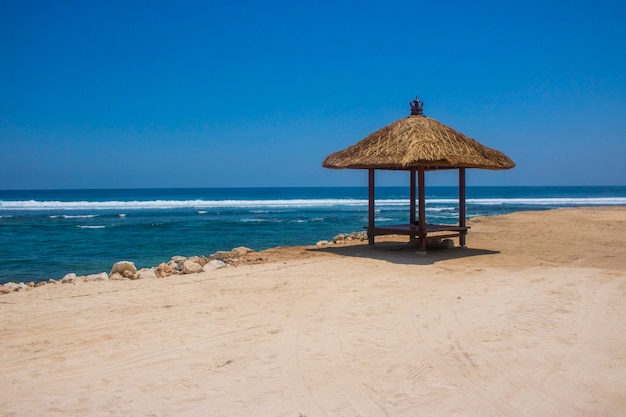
{"x":412,"y":203}
{"x":462,"y":205}
{"x":371,"y":207}
{"x":422,"y":208}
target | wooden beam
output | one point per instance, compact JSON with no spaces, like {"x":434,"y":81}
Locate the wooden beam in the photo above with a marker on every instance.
{"x":422,"y":208}
{"x":412,"y":202}
{"x":412,"y":207}
{"x":462,"y":205}
{"x":371,"y":207}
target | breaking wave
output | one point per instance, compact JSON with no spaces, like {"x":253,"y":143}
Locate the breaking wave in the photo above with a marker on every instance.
{"x":287,"y":203}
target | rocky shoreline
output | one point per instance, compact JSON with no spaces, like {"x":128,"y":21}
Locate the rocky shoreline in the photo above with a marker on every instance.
{"x":177,"y":265}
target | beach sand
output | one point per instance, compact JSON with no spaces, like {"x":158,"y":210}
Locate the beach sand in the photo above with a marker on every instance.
{"x":529,"y":320}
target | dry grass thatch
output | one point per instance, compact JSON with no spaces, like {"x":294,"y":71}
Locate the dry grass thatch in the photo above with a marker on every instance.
{"x":418,"y":141}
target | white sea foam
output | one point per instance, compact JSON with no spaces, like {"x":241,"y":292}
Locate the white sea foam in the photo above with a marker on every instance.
{"x":384,"y":219}
{"x":81,"y":216}
{"x":440,"y":209}
{"x":202,"y":211}
{"x":91,"y":227}
{"x":174,"y":204}
{"x":260,"y":205}
{"x":121,"y":215}
{"x":254,"y":220}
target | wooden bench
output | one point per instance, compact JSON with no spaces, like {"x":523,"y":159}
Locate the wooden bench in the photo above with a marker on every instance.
{"x":431,"y":231}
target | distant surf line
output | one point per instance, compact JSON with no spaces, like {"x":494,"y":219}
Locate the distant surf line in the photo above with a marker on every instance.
{"x":30,"y":205}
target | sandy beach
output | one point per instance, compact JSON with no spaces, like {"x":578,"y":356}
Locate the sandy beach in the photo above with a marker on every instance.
{"x":528,"y":320}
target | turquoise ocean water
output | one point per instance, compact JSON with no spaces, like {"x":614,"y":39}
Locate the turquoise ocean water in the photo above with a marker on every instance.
{"x":46,"y":234}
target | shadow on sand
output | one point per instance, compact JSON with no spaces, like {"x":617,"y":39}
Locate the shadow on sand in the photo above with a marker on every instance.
{"x":403,"y":253}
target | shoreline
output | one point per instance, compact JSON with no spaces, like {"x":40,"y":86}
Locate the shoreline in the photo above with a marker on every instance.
{"x":528,"y":320}
{"x":177,"y":265}
{"x":47,"y":235}
{"x":220,"y":259}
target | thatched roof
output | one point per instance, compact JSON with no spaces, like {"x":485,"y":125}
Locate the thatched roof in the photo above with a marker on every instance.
{"x":418,"y":141}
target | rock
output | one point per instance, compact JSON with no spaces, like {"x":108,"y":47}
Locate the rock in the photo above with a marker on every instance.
{"x":30,"y":284}
{"x":241,"y":250}
{"x":129,"y":274}
{"x":52,"y":281}
{"x":339,"y":238}
{"x":125,"y":268}
{"x":41,"y":284}
{"x":116,"y":276}
{"x":68,"y":278}
{"x":4,"y":289}
{"x":447,"y":243}
{"x":190,"y":267}
{"x":176,"y":263}
{"x":440,"y":243}
{"x":146,"y":273}
{"x":213,"y":265}
{"x":201,"y":260}
{"x":231,"y":256}
{"x":163,"y":270}
{"x":102,"y":276}
{"x":221,"y":256}
{"x":15,"y":286}
{"x":322,"y":243}
{"x":194,"y":259}
{"x":343,"y":237}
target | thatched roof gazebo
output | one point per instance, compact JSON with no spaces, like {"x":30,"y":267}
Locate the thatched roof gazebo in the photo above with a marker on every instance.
{"x":417,"y":144}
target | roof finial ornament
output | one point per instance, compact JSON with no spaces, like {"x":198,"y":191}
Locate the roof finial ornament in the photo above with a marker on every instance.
{"x":416,"y":107}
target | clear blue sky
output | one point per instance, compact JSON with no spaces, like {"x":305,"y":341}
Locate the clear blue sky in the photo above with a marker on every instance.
{"x":108,"y":94}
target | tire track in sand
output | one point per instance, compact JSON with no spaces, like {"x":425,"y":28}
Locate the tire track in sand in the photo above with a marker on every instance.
{"x":483,"y":372}
{"x":451,"y":358}
{"x":293,"y":371}
{"x":351,"y":387}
